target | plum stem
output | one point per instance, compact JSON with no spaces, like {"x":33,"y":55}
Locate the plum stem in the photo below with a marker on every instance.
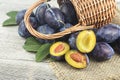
{"x":61,"y":22}
{"x":47,"y":4}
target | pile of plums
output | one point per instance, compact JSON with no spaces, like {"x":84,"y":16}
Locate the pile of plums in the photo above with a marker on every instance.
{"x":48,"y":20}
{"x":75,"y":47}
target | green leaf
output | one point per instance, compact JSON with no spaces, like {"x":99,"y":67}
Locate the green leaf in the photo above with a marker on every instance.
{"x":43,"y":52}
{"x":31,"y":45}
{"x":11,"y":20}
{"x":31,"y":40}
{"x":12,"y":14}
{"x":31,"y":48}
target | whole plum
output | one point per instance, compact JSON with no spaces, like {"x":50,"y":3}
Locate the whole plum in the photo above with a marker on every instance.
{"x":94,"y":30}
{"x":60,"y":2}
{"x":116,"y":45}
{"x":58,"y":58}
{"x":102,"y":51}
{"x":67,"y":25}
{"x":45,"y":29}
{"x":108,"y":33}
{"x":22,"y":30}
{"x":65,"y":38}
{"x":69,"y":12}
{"x":20,"y":16}
{"x":40,"y":13}
{"x":72,"y":40}
{"x":54,"y":18}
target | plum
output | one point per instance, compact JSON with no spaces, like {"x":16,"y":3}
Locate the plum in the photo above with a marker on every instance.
{"x":108,"y":33}
{"x":69,"y":12}
{"x":40,"y":13}
{"x":45,"y":29}
{"x":72,"y":40}
{"x":94,"y":30}
{"x":116,"y":45}
{"x":20,"y":16}
{"x":60,"y":2}
{"x":58,"y":58}
{"x":22,"y":30}
{"x":65,"y":38}
{"x":102,"y":51}
{"x":86,"y":41}
{"x":76,"y":59}
{"x":58,"y":49}
{"x":67,"y":25}
{"x":54,"y":18}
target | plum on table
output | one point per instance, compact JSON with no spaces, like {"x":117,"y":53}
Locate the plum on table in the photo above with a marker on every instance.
{"x":40,"y":13}
{"x":102,"y":51}
{"x":54,"y":18}
{"x":69,"y":12}
{"x":108,"y":33}
{"x":20,"y":16}
{"x":72,"y":40}
{"x":22,"y":30}
{"x":45,"y":29}
{"x":65,"y":38}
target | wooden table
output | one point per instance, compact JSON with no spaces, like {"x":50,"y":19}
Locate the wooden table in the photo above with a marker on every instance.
{"x":15,"y":62}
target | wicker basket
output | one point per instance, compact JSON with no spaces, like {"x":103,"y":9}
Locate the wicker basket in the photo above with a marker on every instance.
{"x":95,"y":13}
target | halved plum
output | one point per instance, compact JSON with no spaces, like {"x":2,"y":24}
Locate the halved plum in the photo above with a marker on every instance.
{"x":86,"y":41}
{"x":58,"y":49}
{"x":76,"y":59}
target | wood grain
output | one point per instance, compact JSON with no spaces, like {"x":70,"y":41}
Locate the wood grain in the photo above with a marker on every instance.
{"x":15,"y":62}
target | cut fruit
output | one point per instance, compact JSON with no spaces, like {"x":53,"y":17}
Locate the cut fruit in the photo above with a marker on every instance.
{"x":86,"y":41}
{"x":59,"y":48}
{"x":76,"y":59}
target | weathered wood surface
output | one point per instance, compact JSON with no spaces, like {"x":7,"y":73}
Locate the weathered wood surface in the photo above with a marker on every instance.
{"x":15,"y":62}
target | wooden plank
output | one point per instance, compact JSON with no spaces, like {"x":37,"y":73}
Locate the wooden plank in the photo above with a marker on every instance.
{"x":15,"y":62}
{"x":25,"y":70}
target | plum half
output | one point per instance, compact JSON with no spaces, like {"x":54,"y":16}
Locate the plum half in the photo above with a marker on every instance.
{"x":86,"y":41}
{"x":76,"y":59}
{"x":58,"y":49}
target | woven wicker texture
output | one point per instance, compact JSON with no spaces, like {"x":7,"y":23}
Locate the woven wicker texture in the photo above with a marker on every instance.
{"x":98,"y":12}
{"x":89,"y":12}
{"x":108,"y":70}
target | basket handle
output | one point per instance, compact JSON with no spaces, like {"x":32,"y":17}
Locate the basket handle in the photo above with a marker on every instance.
{"x":49,"y":36}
